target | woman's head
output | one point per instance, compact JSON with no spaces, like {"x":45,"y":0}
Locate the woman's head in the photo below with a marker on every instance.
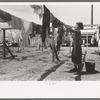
{"x":79,"y":25}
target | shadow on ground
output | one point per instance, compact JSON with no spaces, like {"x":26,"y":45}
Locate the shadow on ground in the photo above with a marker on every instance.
{"x":49,"y":71}
{"x":96,"y":52}
{"x":23,"y":58}
{"x":87,"y":73}
{"x":78,"y":77}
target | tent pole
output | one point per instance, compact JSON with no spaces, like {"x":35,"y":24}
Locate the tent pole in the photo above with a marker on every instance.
{"x":53,"y":45}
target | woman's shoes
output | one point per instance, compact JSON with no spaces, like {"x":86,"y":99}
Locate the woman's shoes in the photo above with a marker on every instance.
{"x":78,"y":78}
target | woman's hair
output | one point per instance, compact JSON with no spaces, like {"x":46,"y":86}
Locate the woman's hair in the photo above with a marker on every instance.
{"x":80,"y":24}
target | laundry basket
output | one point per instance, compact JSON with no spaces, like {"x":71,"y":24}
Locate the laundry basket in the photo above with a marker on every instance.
{"x":90,"y":66}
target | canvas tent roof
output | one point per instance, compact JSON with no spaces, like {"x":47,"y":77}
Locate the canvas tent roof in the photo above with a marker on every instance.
{"x":22,"y":11}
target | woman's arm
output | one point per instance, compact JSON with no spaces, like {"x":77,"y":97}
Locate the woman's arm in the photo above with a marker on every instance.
{"x":74,"y":31}
{"x":71,"y":30}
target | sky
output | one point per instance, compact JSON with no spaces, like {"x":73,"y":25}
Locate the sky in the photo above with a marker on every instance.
{"x":67,"y":13}
{"x":72,"y":13}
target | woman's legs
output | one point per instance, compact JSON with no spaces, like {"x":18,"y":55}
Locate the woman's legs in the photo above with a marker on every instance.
{"x":74,"y":69}
{"x":79,"y":69}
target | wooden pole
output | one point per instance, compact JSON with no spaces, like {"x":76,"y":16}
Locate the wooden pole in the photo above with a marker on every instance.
{"x":70,"y":45}
{"x":4,"y":43}
{"x":99,"y":38}
{"x":87,"y":39}
{"x":18,"y":45}
{"x":91,"y":15}
{"x":53,"y":44}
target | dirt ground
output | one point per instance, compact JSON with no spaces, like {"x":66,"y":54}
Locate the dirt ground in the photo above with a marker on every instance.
{"x":33,"y":65}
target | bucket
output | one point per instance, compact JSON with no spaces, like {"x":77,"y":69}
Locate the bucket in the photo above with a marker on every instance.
{"x":90,"y":67}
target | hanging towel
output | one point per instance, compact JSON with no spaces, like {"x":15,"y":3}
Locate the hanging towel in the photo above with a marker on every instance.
{"x":46,"y":23}
{"x":5,"y":16}
{"x":38,"y":9}
{"x":15,"y":22}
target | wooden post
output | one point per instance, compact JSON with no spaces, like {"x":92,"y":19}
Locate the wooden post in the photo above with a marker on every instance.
{"x":87,"y":40}
{"x":70,"y":45}
{"x":91,"y":15}
{"x":4,"y":43}
{"x":53,"y":44}
{"x":5,"y":46}
{"x":99,"y":38}
{"x":18,"y":45}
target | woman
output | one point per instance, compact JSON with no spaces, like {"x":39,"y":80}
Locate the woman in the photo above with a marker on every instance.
{"x":77,"y":50}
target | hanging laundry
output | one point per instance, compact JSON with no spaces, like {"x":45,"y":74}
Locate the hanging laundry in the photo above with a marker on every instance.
{"x":13,"y":35}
{"x":17,"y":34}
{"x":97,"y":33}
{"x":52,"y":18}
{"x":60,"y":32}
{"x":20,"y":24}
{"x":5,"y":16}
{"x":1,"y":36}
{"x":45,"y":23}
{"x":38,"y":29}
{"x":15,"y":23}
{"x":26,"y":27}
{"x":55,"y":22}
{"x":38,"y":9}
{"x":26,"y":30}
{"x":34,"y":28}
